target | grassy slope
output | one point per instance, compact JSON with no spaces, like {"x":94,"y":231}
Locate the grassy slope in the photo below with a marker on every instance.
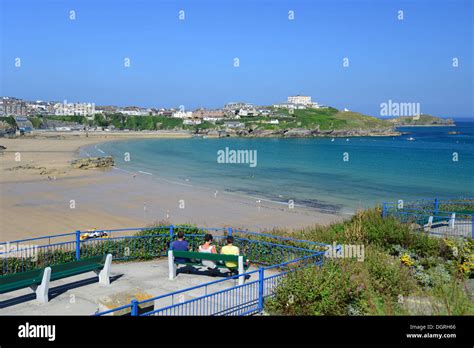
{"x":400,"y":266}
{"x":330,"y":118}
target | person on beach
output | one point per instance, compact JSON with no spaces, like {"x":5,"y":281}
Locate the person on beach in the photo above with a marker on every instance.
{"x":208,"y":247}
{"x":230,"y":249}
{"x":180,"y":245}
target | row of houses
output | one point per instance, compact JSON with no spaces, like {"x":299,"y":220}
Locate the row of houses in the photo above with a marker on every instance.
{"x":235,"y":110}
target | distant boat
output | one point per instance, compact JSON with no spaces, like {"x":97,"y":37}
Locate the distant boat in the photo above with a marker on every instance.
{"x":410,"y":139}
{"x":454,"y":132}
{"x":332,"y":139}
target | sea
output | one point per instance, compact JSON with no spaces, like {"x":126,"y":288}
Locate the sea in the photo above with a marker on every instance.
{"x":327,"y":174}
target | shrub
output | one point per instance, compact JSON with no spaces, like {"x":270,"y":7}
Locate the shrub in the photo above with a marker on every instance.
{"x":314,"y":291}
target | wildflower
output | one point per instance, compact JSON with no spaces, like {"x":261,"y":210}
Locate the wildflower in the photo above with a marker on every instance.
{"x":406,"y":260}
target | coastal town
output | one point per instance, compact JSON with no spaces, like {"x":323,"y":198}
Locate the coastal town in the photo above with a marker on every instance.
{"x":298,"y":116}
{"x":54,"y":115}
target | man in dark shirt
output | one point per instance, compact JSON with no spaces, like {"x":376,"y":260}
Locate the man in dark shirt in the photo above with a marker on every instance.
{"x":180,"y":245}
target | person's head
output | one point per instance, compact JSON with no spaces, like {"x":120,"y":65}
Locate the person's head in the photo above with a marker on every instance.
{"x":230,"y":240}
{"x":180,"y":235}
{"x":208,"y":238}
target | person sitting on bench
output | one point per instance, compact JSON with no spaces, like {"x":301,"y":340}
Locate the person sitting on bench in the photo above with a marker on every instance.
{"x":230,"y":249}
{"x":208,"y":247}
{"x":180,"y":245}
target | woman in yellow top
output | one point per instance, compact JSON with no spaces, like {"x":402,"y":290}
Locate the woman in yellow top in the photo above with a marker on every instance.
{"x":230,"y":249}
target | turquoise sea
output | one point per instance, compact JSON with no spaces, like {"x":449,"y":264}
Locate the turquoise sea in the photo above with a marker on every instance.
{"x":311,"y":171}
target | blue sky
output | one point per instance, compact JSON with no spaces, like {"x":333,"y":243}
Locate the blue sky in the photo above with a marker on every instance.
{"x":191,"y":62}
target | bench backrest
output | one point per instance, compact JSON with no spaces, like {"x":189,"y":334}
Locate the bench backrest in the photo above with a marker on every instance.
{"x":34,"y":275}
{"x":205,"y":256}
{"x":77,"y":267}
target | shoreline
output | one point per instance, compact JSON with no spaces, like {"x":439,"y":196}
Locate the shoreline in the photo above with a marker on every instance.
{"x":38,"y":191}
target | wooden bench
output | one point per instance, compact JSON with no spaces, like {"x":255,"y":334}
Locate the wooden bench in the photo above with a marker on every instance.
{"x":196,"y":258}
{"x":38,"y":279}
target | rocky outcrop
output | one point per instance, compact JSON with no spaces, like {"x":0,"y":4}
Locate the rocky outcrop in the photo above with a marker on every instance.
{"x":93,"y":162}
{"x":304,"y":132}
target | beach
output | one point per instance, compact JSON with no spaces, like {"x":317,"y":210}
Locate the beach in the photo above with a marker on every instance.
{"x":41,"y":194}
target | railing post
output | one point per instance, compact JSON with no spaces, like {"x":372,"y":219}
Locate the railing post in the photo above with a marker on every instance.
{"x":78,"y":245}
{"x":261,"y":277}
{"x":384,"y":210}
{"x":436,"y":206}
{"x":229,"y":231}
{"x":134,"y":311}
{"x":171,"y":235}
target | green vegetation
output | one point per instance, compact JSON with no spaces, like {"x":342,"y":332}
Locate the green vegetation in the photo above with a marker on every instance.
{"x":404,"y":272}
{"x":10,"y":120}
{"x":120,"y":121}
{"x":36,"y":122}
{"x":329,"y":119}
{"x":77,"y":119}
{"x":203,"y":125}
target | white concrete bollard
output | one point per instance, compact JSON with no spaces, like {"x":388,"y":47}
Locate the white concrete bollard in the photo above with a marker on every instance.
{"x":104,"y":275}
{"x":171,"y":265}
{"x":241,"y":270}
{"x":429,"y":224}
{"x":451,"y":221}
{"x":43,"y":290}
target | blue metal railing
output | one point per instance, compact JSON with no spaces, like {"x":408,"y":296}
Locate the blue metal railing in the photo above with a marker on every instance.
{"x":427,"y":215}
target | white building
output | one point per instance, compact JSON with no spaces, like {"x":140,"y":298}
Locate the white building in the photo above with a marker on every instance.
{"x":248,"y":112}
{"x":298,"y":102}
{"x":299,"y":99}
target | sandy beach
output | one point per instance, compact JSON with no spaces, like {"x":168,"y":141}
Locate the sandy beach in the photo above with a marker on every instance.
{"x":41,"y":194}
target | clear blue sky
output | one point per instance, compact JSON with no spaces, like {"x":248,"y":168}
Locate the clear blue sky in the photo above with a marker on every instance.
{"x":190,"y":62}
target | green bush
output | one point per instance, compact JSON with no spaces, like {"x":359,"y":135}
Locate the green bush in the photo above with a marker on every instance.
{"x":314,"y":291}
